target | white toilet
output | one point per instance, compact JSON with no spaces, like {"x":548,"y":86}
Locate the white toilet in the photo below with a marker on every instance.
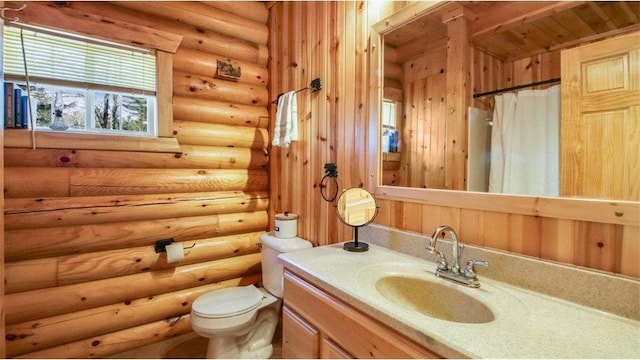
{"x":240,"y":321}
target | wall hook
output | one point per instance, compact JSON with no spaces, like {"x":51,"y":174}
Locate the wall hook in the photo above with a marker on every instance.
{"x":5,"y":18}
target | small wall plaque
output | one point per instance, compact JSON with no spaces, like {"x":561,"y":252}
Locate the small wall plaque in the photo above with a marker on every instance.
{"x":227,"y":71}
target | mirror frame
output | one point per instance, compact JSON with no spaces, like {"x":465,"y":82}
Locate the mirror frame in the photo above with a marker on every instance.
{"x":594,"y":210}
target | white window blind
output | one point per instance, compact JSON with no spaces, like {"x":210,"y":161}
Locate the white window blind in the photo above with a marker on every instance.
{"x":389,"y":114}
{"x":79,"y":62}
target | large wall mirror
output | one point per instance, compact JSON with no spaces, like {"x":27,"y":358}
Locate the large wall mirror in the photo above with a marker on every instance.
{"x":422,"y":153}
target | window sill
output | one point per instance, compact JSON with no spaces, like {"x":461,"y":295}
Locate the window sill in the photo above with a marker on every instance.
{"x":388,"y":156}
{"x":17,"y":138}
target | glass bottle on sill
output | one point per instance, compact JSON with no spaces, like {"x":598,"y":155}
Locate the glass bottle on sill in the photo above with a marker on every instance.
{"x":58,"y":122}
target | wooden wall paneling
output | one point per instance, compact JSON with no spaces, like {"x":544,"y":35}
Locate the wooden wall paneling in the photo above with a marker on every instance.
{"x":220,"y":113}
{"x":472,"y":227}
{"x":116,"y":342}
{"x":384,"y":212}
{"x":164,"y":93}
{"x":413,"y":217}
{"x":301,"y":70}
{"x":344,"y":129}
{"x":41,"y":303}
{"x":597,"y":245}
{"x":194,"y":37}
{"x":525,"y":235}
{"x":256,"y":11}
{"x":629,"y":252}
{"x":72,"y":269}
{"x":32,"y":182}
{"x":457,"y":94}
{"x":58,"y":241}
{"x":195,"y":86}
{"x":39,"y":334}
{"x":54,"y":15}
{"x":24,"y":213}
{"x":68,"y":185}
{"x":191,"y":157}
{"x":200,"y":15}
{"x":196,"y":133}
{"x":558,"y":240}
{"x":193,"y":61}
{"x":322,"y":152}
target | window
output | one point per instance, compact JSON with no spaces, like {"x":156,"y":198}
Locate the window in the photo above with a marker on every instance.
{"x":390,"y":131}
{"x":93,"y":86}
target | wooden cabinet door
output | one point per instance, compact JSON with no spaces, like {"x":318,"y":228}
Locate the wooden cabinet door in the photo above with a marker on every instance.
{"x":300,"y":340}
{"x":600,"y":131}
{"x":331,"y":350}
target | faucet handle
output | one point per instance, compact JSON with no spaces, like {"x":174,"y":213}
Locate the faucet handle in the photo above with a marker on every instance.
{"x":470,"y":271}
{"x":441,"y":261}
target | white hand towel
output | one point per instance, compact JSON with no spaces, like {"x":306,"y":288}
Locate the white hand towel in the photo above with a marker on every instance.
{"x":285,"y":129}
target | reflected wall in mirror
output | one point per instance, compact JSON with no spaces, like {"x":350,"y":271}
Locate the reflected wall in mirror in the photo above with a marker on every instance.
{"x":564,"y":152}
{"x":356,"y":207}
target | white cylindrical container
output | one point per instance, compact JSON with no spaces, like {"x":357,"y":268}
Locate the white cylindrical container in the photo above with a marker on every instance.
{"x":286,"y":225}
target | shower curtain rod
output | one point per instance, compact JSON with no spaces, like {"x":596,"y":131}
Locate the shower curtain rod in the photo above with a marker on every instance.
{"x":550,"y":81}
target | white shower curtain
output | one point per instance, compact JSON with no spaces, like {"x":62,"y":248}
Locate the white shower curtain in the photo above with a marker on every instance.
{"x":525,"y":143}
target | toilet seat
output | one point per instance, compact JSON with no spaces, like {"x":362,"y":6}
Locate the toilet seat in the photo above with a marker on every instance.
{"x":227,"y":302}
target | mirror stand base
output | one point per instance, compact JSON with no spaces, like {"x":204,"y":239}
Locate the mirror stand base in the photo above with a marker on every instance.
{"x":356,"y":246}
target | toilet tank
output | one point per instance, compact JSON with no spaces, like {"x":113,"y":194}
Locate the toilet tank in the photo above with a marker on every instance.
{"x":272,"y":270}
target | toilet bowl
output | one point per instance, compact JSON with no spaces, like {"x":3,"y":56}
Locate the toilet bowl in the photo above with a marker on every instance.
{"x":240,"y":321}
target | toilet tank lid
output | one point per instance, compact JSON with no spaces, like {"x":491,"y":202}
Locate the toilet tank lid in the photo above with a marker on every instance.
{"x":283,"y":245}
{"x":227,"y":302}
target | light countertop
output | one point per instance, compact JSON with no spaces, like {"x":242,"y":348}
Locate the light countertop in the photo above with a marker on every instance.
{"x":527,"y":324}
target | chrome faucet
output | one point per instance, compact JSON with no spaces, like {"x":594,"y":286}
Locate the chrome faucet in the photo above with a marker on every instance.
{"x":468,"y":276}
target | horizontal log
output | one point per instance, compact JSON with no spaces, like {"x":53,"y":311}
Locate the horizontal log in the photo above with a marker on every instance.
{"x":30,"y":213}
{"x":89,"y":182}
{"x":190,"y":157}
{"x":196,"y":133}
{"x":65,"y":16}
{"x":393,"y":71}
{"x":57,"y":182}
{"x":94,"y":266}
{"x":30,"y":275}
{"x":390,"y":165}
{"x":215,"y":112}
{"x":113,"y":343}
{"x":33,"y":182}
{"x":210,"y":88}
{"x":254,"y":10}
{"x":20,"y":138}
{"x":391,"y":93}
{"x":391,"y":177}
{"x":193,"y":37}
{"x":57,"y":330}
{"x":198,"y":62}
{"x":28,"y":244}
{"x":205,"y":17}
{"x":73,"y":269}
{"x":43,"y":303}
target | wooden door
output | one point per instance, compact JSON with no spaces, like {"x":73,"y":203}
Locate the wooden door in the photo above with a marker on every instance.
{"x":300,"y":340}
{"x":600,"y":133}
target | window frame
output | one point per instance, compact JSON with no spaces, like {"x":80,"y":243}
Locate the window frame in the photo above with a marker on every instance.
{"x":165,"y":45}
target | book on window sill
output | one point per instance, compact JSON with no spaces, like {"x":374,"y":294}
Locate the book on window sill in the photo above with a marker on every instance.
{"x":17,"y":107}
{"x":8,"y":105}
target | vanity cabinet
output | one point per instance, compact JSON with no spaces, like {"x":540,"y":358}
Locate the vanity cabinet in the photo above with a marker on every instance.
{"x":317,"y":325}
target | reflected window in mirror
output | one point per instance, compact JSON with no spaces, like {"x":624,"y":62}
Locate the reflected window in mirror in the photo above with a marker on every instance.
{"x":391,"y":112}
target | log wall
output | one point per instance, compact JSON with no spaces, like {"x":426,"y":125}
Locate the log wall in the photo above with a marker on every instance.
{"x":82,"y":277}
{"x":335,"y":128}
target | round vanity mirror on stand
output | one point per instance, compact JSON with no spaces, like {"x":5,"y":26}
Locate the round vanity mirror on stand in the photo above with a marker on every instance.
{"x":356,"y":207}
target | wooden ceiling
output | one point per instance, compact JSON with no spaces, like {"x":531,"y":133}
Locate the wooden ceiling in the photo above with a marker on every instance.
{"x":511,"y":30}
